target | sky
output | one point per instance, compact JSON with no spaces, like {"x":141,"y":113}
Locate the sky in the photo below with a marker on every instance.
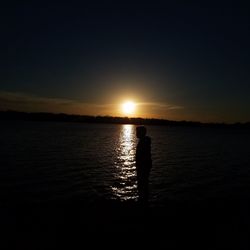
{"x":178,"y":60}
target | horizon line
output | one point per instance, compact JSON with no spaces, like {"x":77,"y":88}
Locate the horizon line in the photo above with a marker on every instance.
{"x":124,"y":117}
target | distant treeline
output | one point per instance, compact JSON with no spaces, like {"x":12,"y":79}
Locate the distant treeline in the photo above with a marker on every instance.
{"x":61,"y":117}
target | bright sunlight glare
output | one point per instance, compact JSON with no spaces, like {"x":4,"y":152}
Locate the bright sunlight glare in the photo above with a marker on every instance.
{"x":128,"y":107}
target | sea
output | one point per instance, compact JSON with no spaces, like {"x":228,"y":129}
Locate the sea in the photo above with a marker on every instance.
{"x":60,"y":161}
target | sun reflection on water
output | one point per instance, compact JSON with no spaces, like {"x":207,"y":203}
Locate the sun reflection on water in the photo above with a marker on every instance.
{"x":125,"y":175}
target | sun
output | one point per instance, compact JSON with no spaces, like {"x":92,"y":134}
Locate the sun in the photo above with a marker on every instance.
{"x":128,"y":108}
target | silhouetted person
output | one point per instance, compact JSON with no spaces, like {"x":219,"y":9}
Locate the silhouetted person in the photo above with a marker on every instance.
{"x":143,"y":163}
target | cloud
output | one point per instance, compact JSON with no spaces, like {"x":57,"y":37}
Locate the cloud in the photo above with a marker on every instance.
{"x":158,"y":105}
{"x":31,"y":103}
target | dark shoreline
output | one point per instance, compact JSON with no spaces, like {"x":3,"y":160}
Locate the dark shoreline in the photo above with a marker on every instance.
{"x":61,"y":117}
{"x":214,"y":224}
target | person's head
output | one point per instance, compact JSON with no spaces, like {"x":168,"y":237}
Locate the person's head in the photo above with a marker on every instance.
{"x":141,"y":132}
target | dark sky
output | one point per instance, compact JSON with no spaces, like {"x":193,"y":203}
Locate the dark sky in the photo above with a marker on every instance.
{"x":176,"y":60}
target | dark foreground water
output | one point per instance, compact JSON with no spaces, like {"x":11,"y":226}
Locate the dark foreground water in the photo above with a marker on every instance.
{"x":76,"y":183}
{"x":52,"y":161}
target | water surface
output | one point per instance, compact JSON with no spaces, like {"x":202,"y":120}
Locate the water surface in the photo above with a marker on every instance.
{"x":43,"y":161}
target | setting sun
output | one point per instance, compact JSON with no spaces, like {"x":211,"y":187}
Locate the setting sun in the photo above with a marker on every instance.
{"x":128,"y":107}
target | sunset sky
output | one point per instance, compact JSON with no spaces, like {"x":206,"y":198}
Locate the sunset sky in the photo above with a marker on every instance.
{"x":178,"y":60}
